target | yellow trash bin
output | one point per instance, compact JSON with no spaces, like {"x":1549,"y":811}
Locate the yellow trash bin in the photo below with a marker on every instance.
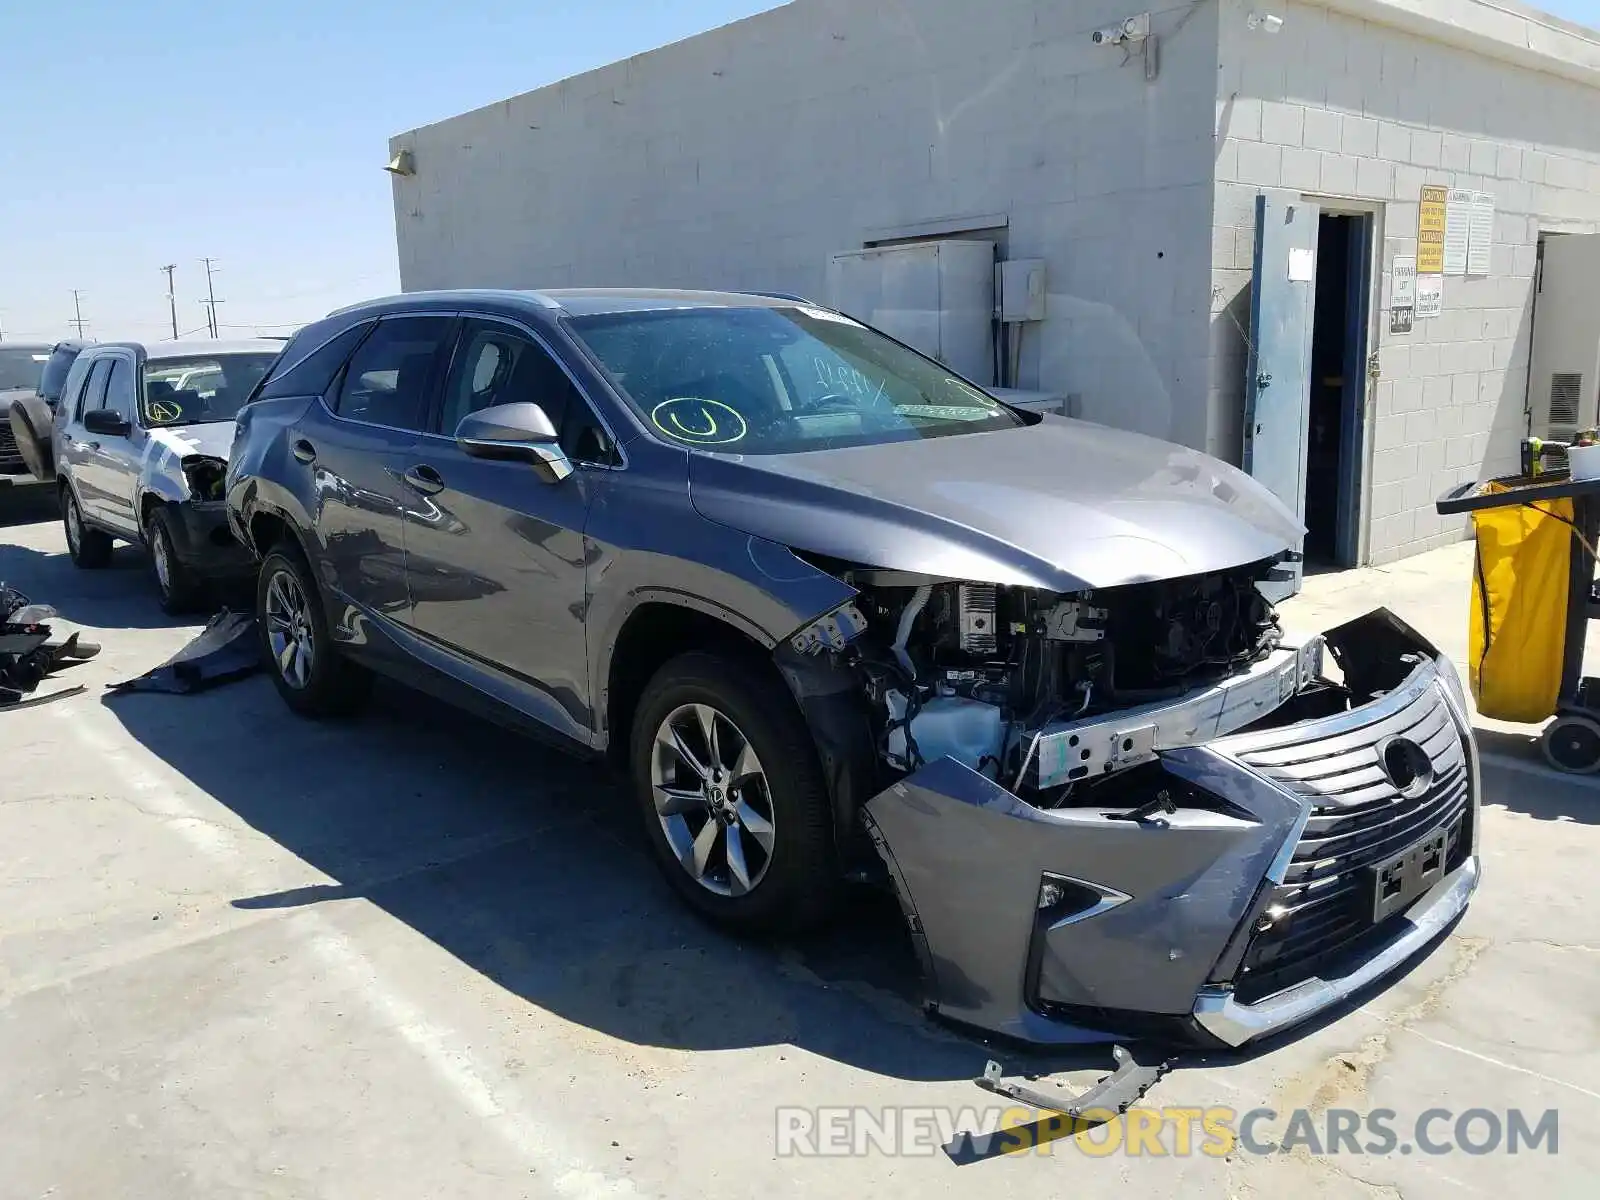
{"x":1518,"y":625}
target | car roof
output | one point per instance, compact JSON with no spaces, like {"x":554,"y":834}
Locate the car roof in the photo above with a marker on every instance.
{"x":574,"y":301}
{"x":31,"y":347}
{"x":193,"y":348}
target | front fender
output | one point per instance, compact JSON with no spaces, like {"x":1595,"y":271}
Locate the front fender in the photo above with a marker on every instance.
{"x":649,"y":545}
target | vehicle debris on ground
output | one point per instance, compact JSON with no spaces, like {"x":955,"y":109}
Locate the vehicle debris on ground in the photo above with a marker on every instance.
{"x":30,"y":653}
{"x":224,"y":651}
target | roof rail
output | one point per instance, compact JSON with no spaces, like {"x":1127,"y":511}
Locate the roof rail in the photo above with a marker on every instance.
{"x":778,"y":296}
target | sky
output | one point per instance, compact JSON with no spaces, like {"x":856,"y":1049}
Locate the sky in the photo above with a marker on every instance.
{"x":136,"y":134}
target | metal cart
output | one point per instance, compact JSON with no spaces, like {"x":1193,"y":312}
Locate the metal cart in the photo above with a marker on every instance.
{"x":1571,"y":742}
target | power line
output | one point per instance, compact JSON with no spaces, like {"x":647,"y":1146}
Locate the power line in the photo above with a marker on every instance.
{"x":172,"y":298}
{"x":77,"y":309}
{"x":211,"y":300}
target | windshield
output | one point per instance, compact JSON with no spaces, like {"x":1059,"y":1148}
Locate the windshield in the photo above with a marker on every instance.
{"x":21,"y":368}
{"x":773,"y":380}
{"x":192,"y":391}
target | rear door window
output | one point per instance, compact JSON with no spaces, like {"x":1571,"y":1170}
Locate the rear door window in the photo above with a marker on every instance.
{"x":120,"y":390}
{"x":388,"y":380}
{"x":94,"y":395}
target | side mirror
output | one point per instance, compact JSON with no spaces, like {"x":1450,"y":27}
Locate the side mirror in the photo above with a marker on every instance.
{"x":105,"y":421}
{"x":519,"y":432}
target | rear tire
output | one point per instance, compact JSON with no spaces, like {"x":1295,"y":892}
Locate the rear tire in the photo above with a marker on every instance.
{"x":175,"y":583}
{"x":89,"y":548}
{"x":313,"y":678}
{"x":772,"y":866}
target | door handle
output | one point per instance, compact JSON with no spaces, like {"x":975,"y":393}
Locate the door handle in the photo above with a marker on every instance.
{"x":424,"y":479}
{"x":94,"y":445}
{"x":304,"y":451}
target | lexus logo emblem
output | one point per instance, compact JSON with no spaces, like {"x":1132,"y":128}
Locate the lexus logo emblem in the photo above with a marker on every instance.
{"x":1406,"y":765}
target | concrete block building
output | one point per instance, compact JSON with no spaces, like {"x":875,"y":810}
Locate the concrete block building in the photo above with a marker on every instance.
{"x":1302,"y":236}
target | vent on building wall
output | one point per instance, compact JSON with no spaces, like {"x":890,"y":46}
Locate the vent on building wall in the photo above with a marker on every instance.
{"x":1565,"y":388}
{"x":1562,"y":419}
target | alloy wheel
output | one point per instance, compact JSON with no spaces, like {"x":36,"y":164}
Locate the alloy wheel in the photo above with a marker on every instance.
{"x":289,"y":630}
{"x":712,"y":799}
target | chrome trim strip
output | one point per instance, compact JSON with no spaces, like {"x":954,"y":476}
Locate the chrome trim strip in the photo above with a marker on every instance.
{"x":1109,"y":899}
{"x":1279,"y":870}
{"x":1235,"y":1023}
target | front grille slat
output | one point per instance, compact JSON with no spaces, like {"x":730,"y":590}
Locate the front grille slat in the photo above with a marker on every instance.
{"x":1359,"y":820}
{"x":1303,"y":749}
{"x":1374,"y":851}
{"x":1335,"y":821}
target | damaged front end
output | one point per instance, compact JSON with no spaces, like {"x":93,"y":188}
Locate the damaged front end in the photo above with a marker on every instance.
{"x":1142,"y":810}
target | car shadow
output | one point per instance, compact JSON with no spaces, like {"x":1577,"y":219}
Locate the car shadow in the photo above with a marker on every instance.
{"x":120,"y":595}
{"x":531,"y":867}
{"x":1511,"y":761}
{"x":27,"y":504}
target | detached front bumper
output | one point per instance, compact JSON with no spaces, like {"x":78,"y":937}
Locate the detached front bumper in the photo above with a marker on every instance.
{"x":1294,"y":872}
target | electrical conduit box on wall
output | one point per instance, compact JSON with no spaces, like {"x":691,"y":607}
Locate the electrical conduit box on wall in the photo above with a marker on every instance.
{"x":936,"y":296}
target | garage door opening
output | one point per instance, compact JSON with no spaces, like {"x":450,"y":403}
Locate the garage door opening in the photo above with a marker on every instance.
{"x":1334,"y":430}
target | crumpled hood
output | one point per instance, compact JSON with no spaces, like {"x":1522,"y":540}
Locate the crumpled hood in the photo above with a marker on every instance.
{"x":1062,"y":505}
{"x":214,"y":438}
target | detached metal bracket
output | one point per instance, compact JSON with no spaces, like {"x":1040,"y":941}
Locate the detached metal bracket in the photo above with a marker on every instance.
{"x":1117,"y":1092}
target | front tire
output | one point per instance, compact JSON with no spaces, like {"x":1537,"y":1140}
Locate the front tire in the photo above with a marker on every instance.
{"x":88,"y":547}
{"x":732,"y":796}
{"x":313,"y":678}
{"x":175,"y":583}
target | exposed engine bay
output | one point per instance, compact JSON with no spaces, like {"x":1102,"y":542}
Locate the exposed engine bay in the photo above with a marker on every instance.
{"x":972,"y":670}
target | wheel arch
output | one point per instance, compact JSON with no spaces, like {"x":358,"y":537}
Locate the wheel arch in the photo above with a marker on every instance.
{"x":826,"y":695}
{"x":268,"y":527}
{"x":657,"y":629}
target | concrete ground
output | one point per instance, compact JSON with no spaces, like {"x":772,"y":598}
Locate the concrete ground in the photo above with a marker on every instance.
{"x":242,"y":954}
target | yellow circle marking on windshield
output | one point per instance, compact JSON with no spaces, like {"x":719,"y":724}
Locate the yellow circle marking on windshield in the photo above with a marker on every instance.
{"x":160,"y":410}
{"x":701,"y":422}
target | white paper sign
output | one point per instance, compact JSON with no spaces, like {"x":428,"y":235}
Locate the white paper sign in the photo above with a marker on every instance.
{"x":1430,"y":295}
{"x":1457,"y":231}
{"x":1480,"y":237}
{"x":1403,"y":286}
{"x":1301,"y":265}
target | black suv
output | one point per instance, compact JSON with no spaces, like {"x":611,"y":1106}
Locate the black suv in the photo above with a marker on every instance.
{"x":839,"y":611}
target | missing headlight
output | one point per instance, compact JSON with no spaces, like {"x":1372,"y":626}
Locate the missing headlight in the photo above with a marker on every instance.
{"x":206,"y":476}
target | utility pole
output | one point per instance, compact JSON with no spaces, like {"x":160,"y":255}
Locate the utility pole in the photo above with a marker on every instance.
{"x":211,"y":299}
{"x":172,"y":298}
{"x":77,"y":309}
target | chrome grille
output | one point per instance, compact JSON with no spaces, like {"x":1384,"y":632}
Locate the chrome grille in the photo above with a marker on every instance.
{"x":1358,"y":820}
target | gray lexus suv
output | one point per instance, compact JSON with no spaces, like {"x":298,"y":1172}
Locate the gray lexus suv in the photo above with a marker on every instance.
{"x":841,"y":614}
